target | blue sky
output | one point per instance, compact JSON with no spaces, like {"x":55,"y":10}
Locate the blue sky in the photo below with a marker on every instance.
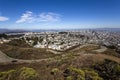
{"x":59,"y":14}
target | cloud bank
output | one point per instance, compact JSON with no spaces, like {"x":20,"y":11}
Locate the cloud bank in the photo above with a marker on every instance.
{"x":30,"y":17}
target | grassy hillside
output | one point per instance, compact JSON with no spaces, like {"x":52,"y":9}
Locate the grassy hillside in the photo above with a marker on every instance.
{"x":26,"y":52}
{"x":80,"y":68}
{"x":81,"y":63}
{"x":21,"y":50}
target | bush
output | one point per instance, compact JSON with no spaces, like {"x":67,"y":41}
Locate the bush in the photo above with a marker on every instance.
{"x":3,"y":36}
{"x":54,"y":71}
{"x":21,"y":74}
{"x":69,"y":78}
{"x":8,"y":75}
{"x":109,"y":70}
{"x":81,"y":74}
{"x":27,"y":74}
{"x":91,"y":75}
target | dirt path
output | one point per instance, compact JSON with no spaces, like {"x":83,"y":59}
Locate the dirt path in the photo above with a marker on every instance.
{"x":102,"y":49}
{"x":4,"y":59}
{"x":55,"y":52}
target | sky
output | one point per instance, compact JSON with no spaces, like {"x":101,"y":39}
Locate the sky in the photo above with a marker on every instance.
{"x":59,"y":14}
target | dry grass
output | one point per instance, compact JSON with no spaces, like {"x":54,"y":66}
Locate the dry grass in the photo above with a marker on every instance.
{"x":26,"y":53}
{"x":90,"y":47}
{"x":111,"y":52}
{"x":61,"y":62}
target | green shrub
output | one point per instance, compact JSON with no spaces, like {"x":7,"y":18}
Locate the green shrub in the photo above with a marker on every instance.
{"x":91,"y":75}
{"x":27,"y":74}
{"x":7,"y":75}
{"x":78,"y":71}
{"x":109,"y":70}
{"x":54,"y":71}
{"x":81,"y":74}
{"x":69,"y":78}
{"x":21,"y":74}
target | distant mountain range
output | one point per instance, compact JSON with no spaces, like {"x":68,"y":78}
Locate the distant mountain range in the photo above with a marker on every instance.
{"x":108,"y":29}
{"x":55,"y":30}
{"x":12,"y":31}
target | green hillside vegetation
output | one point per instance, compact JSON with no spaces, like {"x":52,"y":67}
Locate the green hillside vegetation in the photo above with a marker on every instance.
{"x":20,"y":74}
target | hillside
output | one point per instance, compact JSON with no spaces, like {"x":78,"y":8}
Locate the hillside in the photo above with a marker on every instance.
{"x":85,"y":62}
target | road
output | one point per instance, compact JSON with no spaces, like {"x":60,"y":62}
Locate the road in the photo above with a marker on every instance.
{"x":4,"y":59}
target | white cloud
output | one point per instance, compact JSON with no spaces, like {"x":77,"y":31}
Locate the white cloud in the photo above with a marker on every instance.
{"x":26,"y":17}
{"x":49,"y":16}
{"x":2,"y":18}
{"x":30,"y":17}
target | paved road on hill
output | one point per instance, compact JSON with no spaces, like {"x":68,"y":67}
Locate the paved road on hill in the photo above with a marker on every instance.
{"x":102,"y":49}
{"x":4,"y":59}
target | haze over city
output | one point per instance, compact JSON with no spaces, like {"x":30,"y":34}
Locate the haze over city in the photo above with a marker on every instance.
{"x":59,"y":14}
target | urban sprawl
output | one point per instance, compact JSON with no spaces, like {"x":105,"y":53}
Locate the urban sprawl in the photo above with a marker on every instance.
{"x":67,"y":39}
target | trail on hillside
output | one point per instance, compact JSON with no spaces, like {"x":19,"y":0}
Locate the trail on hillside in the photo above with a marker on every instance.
{"x":102,"y":49}
{"x":4,"y":59}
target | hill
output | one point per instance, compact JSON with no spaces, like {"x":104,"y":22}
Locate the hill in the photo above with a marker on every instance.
{"x":12,"y":31}
{"x":86,"y":62}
